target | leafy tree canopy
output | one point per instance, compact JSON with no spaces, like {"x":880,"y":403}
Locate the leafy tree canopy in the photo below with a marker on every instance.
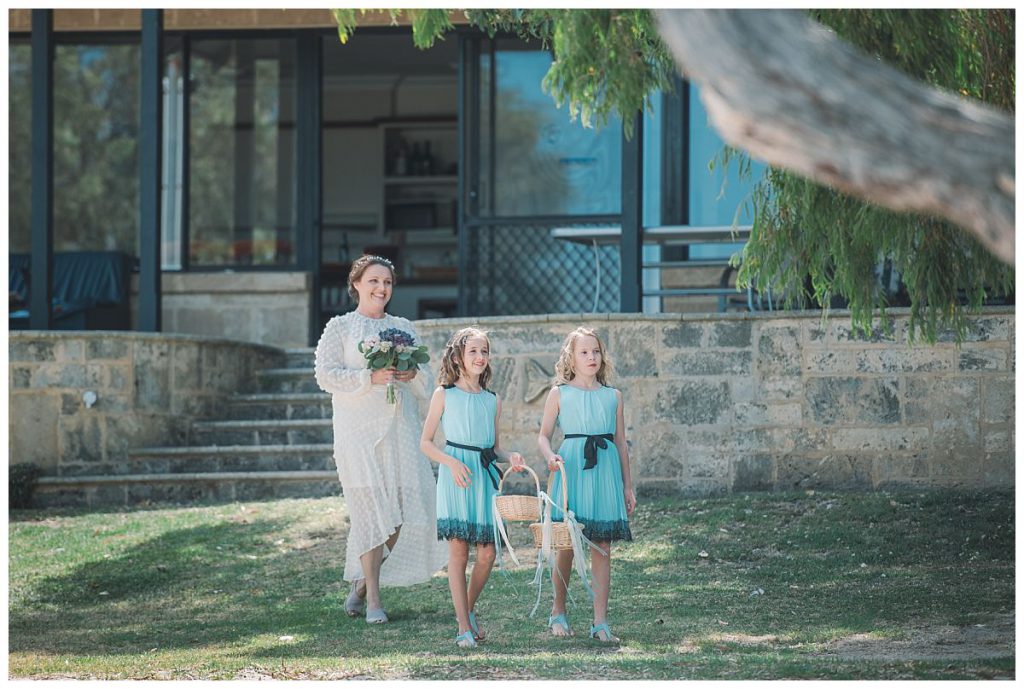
{"x":809,"y":242}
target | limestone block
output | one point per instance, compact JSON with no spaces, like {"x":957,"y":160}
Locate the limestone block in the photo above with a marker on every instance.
{"x":852,"y":400}
{"x":119,"y":377}
{"x":904,"y":360}
{"x":80,"y":438}
{"x":31,"y":350}
{"x":895,"y":468}
{"x":21,"y":377}
{"x":843,"y":331}
{"x":832,"y":361}
{"x":32,"y":429}
{"x":709,"y":363}
{"x":879,"y":439}
{"x":682,"y":335}
{"x":102,"y":348}
{"x":753,"y":472}
{"x":999,"y":440}
{"x":779,"y":388}
{"x":730,"y":333}
{"x":658,"y":453}
{"x":998,"y":399}
{"x":693,"y":402}
{"x":743,"y":388}
{"x":778,"y":350}
{"x":981,"y":329}
{"x":814,"y":334}
{"x":633,"y":350}
{"x":697,"y":464}
{"x":834,"y":472}
{"x":538,"y":339}
{"x":982,"y":360}
{"x":186,"y":371}
{"x":767,"y":414}
{"x":69,"y":350}
{"x":151,"y":376}
{"x":946,"y":397}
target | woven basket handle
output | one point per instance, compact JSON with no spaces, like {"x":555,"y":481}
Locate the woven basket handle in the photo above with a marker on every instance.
{"x":565,"y":492}
{"x":536,"y":481}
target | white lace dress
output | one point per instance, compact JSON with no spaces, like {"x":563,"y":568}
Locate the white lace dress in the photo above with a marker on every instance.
{"x":386,"y":480}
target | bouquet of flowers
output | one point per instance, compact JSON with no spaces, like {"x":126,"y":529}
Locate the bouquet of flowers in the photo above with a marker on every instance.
{"x":395,"y":349}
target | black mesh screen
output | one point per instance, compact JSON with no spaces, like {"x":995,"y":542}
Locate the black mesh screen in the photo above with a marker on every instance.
{"x":521,"y":269}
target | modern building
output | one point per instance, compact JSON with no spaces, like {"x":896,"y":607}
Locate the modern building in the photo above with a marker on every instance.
{"x":281,"y":154}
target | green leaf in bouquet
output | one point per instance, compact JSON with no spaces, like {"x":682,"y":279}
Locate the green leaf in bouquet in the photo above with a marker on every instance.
{"x":420,"y":356}
{"x":404,"y":356}
{"x":403,"y":365}
{"x":375,"y":349}
{"x":378,"y":363}
{"x":360,"y":347}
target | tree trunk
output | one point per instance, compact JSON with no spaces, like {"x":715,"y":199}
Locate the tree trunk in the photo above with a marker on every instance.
{"x":791,"y":93}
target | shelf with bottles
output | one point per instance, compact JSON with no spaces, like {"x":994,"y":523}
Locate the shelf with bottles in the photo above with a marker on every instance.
{"x":420,"y":151}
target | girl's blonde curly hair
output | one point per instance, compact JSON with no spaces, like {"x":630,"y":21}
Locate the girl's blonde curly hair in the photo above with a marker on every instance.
{"x":564,"y":371}
{"x":454,"y":351}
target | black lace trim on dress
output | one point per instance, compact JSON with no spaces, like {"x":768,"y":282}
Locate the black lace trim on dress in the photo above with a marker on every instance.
{"x":448,"y":529}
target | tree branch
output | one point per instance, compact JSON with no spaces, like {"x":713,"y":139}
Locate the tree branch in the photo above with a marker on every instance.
{"x":789,"y":92}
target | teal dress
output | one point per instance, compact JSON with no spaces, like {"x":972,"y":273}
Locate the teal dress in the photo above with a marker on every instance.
{"x":468,"y":424}
{"x":595,"y":491}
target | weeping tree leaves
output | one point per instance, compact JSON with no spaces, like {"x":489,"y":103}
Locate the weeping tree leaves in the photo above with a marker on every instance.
{"x":809,"y":241}
{"x":815,"y":243}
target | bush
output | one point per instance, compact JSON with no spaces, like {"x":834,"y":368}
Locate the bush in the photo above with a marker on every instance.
{"x":22,"y":480}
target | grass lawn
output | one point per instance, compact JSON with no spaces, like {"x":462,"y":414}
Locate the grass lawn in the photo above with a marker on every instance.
{"x":802,"y":585}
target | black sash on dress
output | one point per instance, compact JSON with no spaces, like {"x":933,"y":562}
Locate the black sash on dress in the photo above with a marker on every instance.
{"x":590,"y":447}
{"x":488,"y":458}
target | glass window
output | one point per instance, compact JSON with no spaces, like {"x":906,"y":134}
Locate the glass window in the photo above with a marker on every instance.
{"x":540,"y":162}
{"x":718,"y":196}
{"x":95,"y":147}
{"x":242,"y":208}
{"x":19,"y":154}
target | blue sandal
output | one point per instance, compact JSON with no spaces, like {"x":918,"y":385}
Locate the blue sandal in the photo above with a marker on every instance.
{"x":603,"y":627}
{"x":465,"y":640}
{"x":474,"y":627}
{"x":560,"y":620}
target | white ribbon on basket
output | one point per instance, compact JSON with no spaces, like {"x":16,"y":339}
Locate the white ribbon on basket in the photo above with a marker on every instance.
{"x":546,"y":554}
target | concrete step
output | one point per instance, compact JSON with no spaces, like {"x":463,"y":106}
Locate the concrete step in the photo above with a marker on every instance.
{"x":300,"y":357}
{"x":262,"y":432}
{"x":231,"y":458}
{"x":132,"y":489}
{"x":288,"y":380}
{"x":287,"y":405}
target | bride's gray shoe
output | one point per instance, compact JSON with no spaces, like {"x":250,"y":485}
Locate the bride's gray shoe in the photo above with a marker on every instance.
{"x":355,"y":604}
{"x":376,"y":616}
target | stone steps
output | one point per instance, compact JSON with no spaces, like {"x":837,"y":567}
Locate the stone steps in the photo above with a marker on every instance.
{"x":294,"y":405}
{"x":274,"y":443}
{"x":288,"y":380}
{"x":262,"y":432}
{"x":133,"y":489}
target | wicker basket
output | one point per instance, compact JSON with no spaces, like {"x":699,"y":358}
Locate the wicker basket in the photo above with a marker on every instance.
{"x":559,"y":530}
{"x":519,"y":508}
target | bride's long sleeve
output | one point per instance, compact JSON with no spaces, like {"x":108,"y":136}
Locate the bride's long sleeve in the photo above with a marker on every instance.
{"x":331,"y":373}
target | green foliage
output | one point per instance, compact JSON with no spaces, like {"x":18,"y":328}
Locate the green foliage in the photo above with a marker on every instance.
{"x":814,"y":243}
{"x":21,"y":484}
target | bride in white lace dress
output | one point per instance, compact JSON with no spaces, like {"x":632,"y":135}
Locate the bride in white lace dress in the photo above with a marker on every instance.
{"x":387,"y":482}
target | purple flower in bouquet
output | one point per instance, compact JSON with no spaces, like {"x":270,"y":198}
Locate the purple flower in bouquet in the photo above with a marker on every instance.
{"x":394,"y":349}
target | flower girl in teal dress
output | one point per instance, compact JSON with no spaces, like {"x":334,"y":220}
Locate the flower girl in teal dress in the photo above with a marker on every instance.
{"x":596,"y":463}
{"x":468,"y":475}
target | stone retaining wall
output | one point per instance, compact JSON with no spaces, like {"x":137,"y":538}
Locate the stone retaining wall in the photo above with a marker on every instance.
{"x":724,"y":402}
{"x":148,"y":388}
